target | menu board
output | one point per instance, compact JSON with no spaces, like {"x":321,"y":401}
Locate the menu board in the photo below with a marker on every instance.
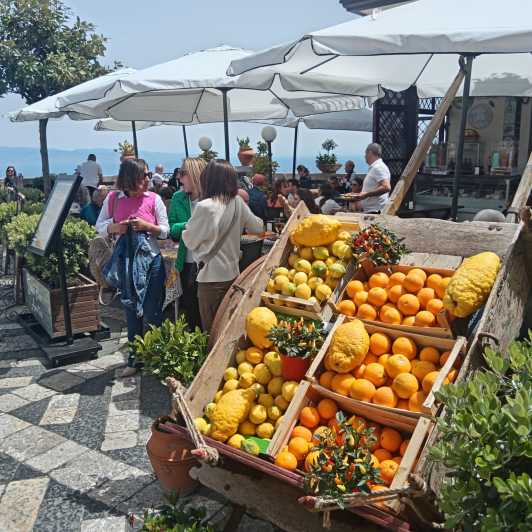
{"x":55,"y":212}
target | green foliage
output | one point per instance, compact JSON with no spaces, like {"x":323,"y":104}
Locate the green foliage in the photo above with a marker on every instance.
{"x":20,"y":231}
{"x":126,"y":148}
{"x":32,"y":195}
{"x":297,"y":338}
{"x":261,"y":162}
{"x":175,"y":517}
{"x":171,"y":350}
{"x":327,"y":158}
{"x":9,"y":210}
{"x":208,"y":155}
{"x":486,"y":442}
{"x":378,"y":245}
{"x":244,"y":143}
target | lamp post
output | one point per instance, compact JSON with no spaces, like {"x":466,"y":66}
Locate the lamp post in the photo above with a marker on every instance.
{"x":269,"y":133}
{"x":205,"y":143}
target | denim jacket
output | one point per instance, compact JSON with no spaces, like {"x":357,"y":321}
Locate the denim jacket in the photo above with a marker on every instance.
{"x":132,"y":284}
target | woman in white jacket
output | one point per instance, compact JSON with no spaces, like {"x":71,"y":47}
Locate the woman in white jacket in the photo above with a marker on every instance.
{"x":213,"y":235}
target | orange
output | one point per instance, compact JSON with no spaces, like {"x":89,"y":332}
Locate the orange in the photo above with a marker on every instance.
{"x":379,"y":279}
{"x":341,"y":383}
{"x":430,"y":354}
{"x":413,"y":282}
{"x":396,"y":365}
{"x":309,"y":417}
{"x":320,"y":433}
{"x":385,"y":396}
{"x":382,"y":454}
{"x":404,"y":445}
{"x":395,"y":292}
{"x":326,"y":378}
{"x":375,"y":373}
{"x":347,"y":307}
{"x":404,"y":385}
{"x":384,"y":308}
{"x":390,"y":439}
{"x":370,"y":359}
{"x":353,"y":287}
{"x":424,"y":318}
{"x":402,"y":404}
{"x":388,"y":469}
{"x":404,"y":346}
{"x":435,"y":306}
{"x":445,"y":356}
{"x":397,"y":459}
{"x":358,"y":372}
{"x":383,"y":359}
{"x":451,"y":376}
{"x":327,"y":408}
{"x":360,"y":298}
{"x":420,"y":368}
{"x":396,"y":278}
{"x":440,"y":290}
{"x":366,"y":312}
{"x":391,"y":315}
{"x":418,"y":271}
{"x":286,"y":460}
{"x":425,"y":295}
{"x":409,"y":321}
{"x":362,"y":390}
{"x":433,"y":280}
{"x":301,"y":432}
{"x":416,"y":401}
{"x":428,"y":381}
{"x":299,"y":447}
{"x":408,"y":304}
{"x":379,"y":344}
{"x":377,"y":296}
{"x":311,"y":461}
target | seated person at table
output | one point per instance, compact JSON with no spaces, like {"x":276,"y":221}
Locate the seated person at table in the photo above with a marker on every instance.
{"x":304,"y":195}
{"x":337,"y":188}
{"x":304,"y":176}
{"x":257,"y":199}
{"x":91,"y":211}
{"x":280,"y":188}
{"x":174,"y":180}
{"x":293,"y":187}
{"x":349,"y":167}
{"x":325,"y":201}
{"x":376,"y":186}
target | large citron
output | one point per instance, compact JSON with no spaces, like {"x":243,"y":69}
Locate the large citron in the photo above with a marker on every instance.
{"x":471,"y":284}
{"x":349,"y":347}
{"x":316,"y":230}
{"x":231,"y":410}
{"x":258,"y":324}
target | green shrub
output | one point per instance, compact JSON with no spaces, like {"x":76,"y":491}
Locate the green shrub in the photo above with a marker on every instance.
{"x":486,"y":442}
{"x":7,"y":211}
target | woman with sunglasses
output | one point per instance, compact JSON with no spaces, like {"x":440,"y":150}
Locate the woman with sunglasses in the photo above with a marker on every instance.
{"x":136,"y":218}
{"x":181,"y":208}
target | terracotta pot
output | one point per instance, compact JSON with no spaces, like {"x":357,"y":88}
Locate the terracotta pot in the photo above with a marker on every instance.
{"x":328,"y":168}
{"x":171,"y":459}
{"x":246,"y":156}
{"x":294,"y":368}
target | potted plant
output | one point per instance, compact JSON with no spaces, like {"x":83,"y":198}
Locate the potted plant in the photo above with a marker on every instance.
{"x":245,"y":151}
{"x":126,"y":149}
{"x":208,"y":155}
{"x":297,"y":343}
{"x":327,"y":162}
{"x":261,"y":162}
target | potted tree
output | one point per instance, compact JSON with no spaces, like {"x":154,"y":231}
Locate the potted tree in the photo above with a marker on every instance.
{"x":126,"y":149}
{"x":327,"y":162}
{"x":261,"y":162}
{"x":245,"y":151}
{"x":297,"y":343}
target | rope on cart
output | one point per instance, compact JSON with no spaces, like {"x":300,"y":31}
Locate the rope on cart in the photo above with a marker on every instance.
{"x":202,"y":451}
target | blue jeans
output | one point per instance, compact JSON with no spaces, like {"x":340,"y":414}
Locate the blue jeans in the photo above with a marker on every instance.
{"x":153,"y":307}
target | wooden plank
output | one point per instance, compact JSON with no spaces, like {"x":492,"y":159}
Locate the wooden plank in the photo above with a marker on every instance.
{"x":431,"y":260}
{"x":422,"y":148}
{"x":521,"y":194}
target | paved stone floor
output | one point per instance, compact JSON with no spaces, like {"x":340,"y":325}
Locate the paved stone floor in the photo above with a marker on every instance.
{"x":72,"y":442}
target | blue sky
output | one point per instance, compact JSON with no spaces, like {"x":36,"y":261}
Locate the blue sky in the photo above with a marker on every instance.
{"x":144,"y":33}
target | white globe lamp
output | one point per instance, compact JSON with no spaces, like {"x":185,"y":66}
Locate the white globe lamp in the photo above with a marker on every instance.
{"x":205,"y":143}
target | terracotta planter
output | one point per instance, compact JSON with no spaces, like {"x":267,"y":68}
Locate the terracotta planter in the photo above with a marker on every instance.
{"x":328,"y":168}
{"x":246,"y":156}
{"x":171,"y":459}
{"x":294,"y":368}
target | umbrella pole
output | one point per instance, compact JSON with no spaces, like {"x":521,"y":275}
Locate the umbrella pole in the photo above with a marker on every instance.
{"x":135,"y":145}
{"x":295,"y":151}
{"x":185,"y":141}
{"x":461,"y":136}
{"x":226,"y":123}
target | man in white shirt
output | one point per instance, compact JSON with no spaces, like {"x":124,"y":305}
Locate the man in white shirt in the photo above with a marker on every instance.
{"x":376,"y":186}
{"x":91,"y":172}
{"x":157,"y":178}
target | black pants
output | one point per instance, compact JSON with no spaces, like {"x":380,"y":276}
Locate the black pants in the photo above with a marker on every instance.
{"x":189,"y":300}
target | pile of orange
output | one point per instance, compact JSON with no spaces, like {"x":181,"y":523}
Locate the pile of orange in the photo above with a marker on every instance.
{"x":317,"y":421}
{"x":414,"y":298}
{"x":395,"y":373}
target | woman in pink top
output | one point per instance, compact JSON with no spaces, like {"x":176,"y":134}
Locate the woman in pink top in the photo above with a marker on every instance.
{"x":133,"y":207}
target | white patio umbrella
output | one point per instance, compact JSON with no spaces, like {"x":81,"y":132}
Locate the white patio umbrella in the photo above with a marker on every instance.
{"x":195,"y":89}
{"x":415,"y":44}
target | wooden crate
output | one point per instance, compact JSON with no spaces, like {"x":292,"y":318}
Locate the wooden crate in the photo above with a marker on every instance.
{"x":417,"y":429}
{"x":455,"y":346}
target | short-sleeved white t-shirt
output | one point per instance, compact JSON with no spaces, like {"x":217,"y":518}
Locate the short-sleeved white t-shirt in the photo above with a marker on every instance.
{"x":377,"y":173}
{"x":89,"y":171}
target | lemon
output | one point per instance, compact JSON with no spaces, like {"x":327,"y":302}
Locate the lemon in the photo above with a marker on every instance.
{"x":274,"y":412}
{"x":270,"y":287}
{"x":254,"y":355}
{"x":246,"y":428}
{"x":300,"y":278}
{"x":280,"y":271}
{"x":312,"y":300}
{"x":240,"y":356}
{"x":257,"y":388}
{"x":262,"y":374}
{"x":265,"y":430}
{"x":323,"y":292}
{"x":236,"y":441}
{"x":231,"y":384}
{"x":281,"y":402}
{"x":291,"y":274}
{"x":331,"y":283}
{"x":251,"y":447}
{"x":265,"y":399}
{"x":246,"y":380}
{"x":288,"y":289}
{"x":217,"y":395}
{"x":306,"y":254}
{"x":273,"y":362}
{"x":315,"y":281}
{"x":319,"y":268}
{"x":202,"y":425}
{"x":344,"y":235}
{"x":303,"y":291}
{"x":303,"y":265}
{"x":275,"y":386}
{"x":336,"y":270}
{"x":245,"y":367}
{"x":230,"y":373}
{"x":292,"y":259}
{"x":209,"y":409}
{"x":280,"y":281}
{"x":278,"y":422}
{"x":288,"y":389}
{"x":258,"y":414}
{"x":321,"y":253}
{"x":330,"y":261}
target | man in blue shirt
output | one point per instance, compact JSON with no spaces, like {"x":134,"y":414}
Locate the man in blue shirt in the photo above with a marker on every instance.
{"x":91,"y":211}
{"x":257,"y":198}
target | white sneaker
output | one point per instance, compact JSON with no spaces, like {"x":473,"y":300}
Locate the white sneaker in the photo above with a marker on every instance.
{"x":127,"y":372}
